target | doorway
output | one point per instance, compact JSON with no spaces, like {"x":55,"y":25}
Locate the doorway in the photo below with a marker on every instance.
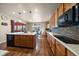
{"x":38,"y":29}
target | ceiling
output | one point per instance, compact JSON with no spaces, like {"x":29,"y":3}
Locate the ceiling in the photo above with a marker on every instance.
{"x":30,"y":12}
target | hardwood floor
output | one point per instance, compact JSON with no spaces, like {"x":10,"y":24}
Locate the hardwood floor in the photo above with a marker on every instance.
{"x":42,"y":49}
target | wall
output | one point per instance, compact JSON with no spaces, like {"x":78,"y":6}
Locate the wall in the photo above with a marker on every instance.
{"x":4,"y":29}
{"x":29,"y":26}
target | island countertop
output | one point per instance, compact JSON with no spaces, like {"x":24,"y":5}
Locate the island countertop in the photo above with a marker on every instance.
{"x":22,"y":33}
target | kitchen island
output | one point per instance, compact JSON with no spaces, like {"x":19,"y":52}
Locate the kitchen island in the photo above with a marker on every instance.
{"x":26,"y":40}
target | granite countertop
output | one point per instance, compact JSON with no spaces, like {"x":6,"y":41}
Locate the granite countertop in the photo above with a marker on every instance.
{"x":22,"y":33}
{"x":72,"y":47}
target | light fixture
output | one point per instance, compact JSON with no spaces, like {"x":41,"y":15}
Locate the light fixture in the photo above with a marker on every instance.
{"x":36,"y":10}
{"x":19,"y":12}
{"x":76,"y":6}
{"x":19,"y":20}
{"x":24,"y":11}
{"x":13,"y":12}
{"x":30,"y":12}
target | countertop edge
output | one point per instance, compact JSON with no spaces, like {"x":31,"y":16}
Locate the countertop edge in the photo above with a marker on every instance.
{"x":21,"y":34}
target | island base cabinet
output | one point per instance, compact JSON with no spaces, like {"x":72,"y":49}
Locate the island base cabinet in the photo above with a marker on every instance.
{"x":10,"y":40}
{"x":25,"y":41}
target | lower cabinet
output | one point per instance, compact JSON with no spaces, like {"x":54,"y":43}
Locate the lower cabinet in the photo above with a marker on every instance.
{"x":60,"y":49}
{"x":51,"y":42}
{"x":57,"y":48}
{"x":53,"y":45}
{"x":69,"y":53}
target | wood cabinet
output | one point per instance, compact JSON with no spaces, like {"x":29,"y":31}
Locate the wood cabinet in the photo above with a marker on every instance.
{"x":57,"y":48}
{"x":51,"y":42}
{"x":49,"y":39}
{"x":53,"y":45}
{"x":25,"y":41}
{"x":60,"y":10}
{"x":60,"y":49}
{"x":52,"y":21}
{"x":56,"y":17}
{"x":69,"y":53}
{"x":67,"y":6}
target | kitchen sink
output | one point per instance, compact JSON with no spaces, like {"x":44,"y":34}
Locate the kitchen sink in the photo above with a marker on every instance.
{"x":66,"y":39}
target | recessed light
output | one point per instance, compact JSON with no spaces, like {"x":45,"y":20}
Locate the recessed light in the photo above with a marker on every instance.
{"x":19,"y":20}
{"x":13,"y":12}
{"x":24,"y":11}
{"x":76,"y":6}
{"x":36,"y":10}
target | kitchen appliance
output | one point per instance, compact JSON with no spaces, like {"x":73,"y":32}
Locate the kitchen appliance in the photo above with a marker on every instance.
{"x":76,"y":14}
{"x":66,"y":19}
{"x":61,"y":21}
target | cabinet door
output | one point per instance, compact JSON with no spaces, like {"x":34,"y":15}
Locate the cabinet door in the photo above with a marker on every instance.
{"x":60,"y":10}
{"x":10,"y":40}
{"x":53,"y":45}
{"x":18,"y":40}
{"x":69,"y":53}
{"x":51,"y":42}
{"x":29,"y":41}
{"x":49,"y":39}
{"x":52,"y":21}
{"x":67,"y":6}
{"x":56,"y":17}
{"x":25,"y":41}
{"x":60,"y":49}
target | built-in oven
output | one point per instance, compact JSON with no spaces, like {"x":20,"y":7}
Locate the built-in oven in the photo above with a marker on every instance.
{"x":66,"y":19}
{"x":70,"y":17}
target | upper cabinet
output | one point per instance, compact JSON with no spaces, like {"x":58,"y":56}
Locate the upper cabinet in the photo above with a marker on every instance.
{"x":67,"y":6}
{"x":52,"y":21}
{"x":60,"y":10}
{"x":63,"y":7}
{"x":56,"y":17}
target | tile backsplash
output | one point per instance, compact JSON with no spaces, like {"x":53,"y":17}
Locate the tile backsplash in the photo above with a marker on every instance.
{"x":72,"y":32}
